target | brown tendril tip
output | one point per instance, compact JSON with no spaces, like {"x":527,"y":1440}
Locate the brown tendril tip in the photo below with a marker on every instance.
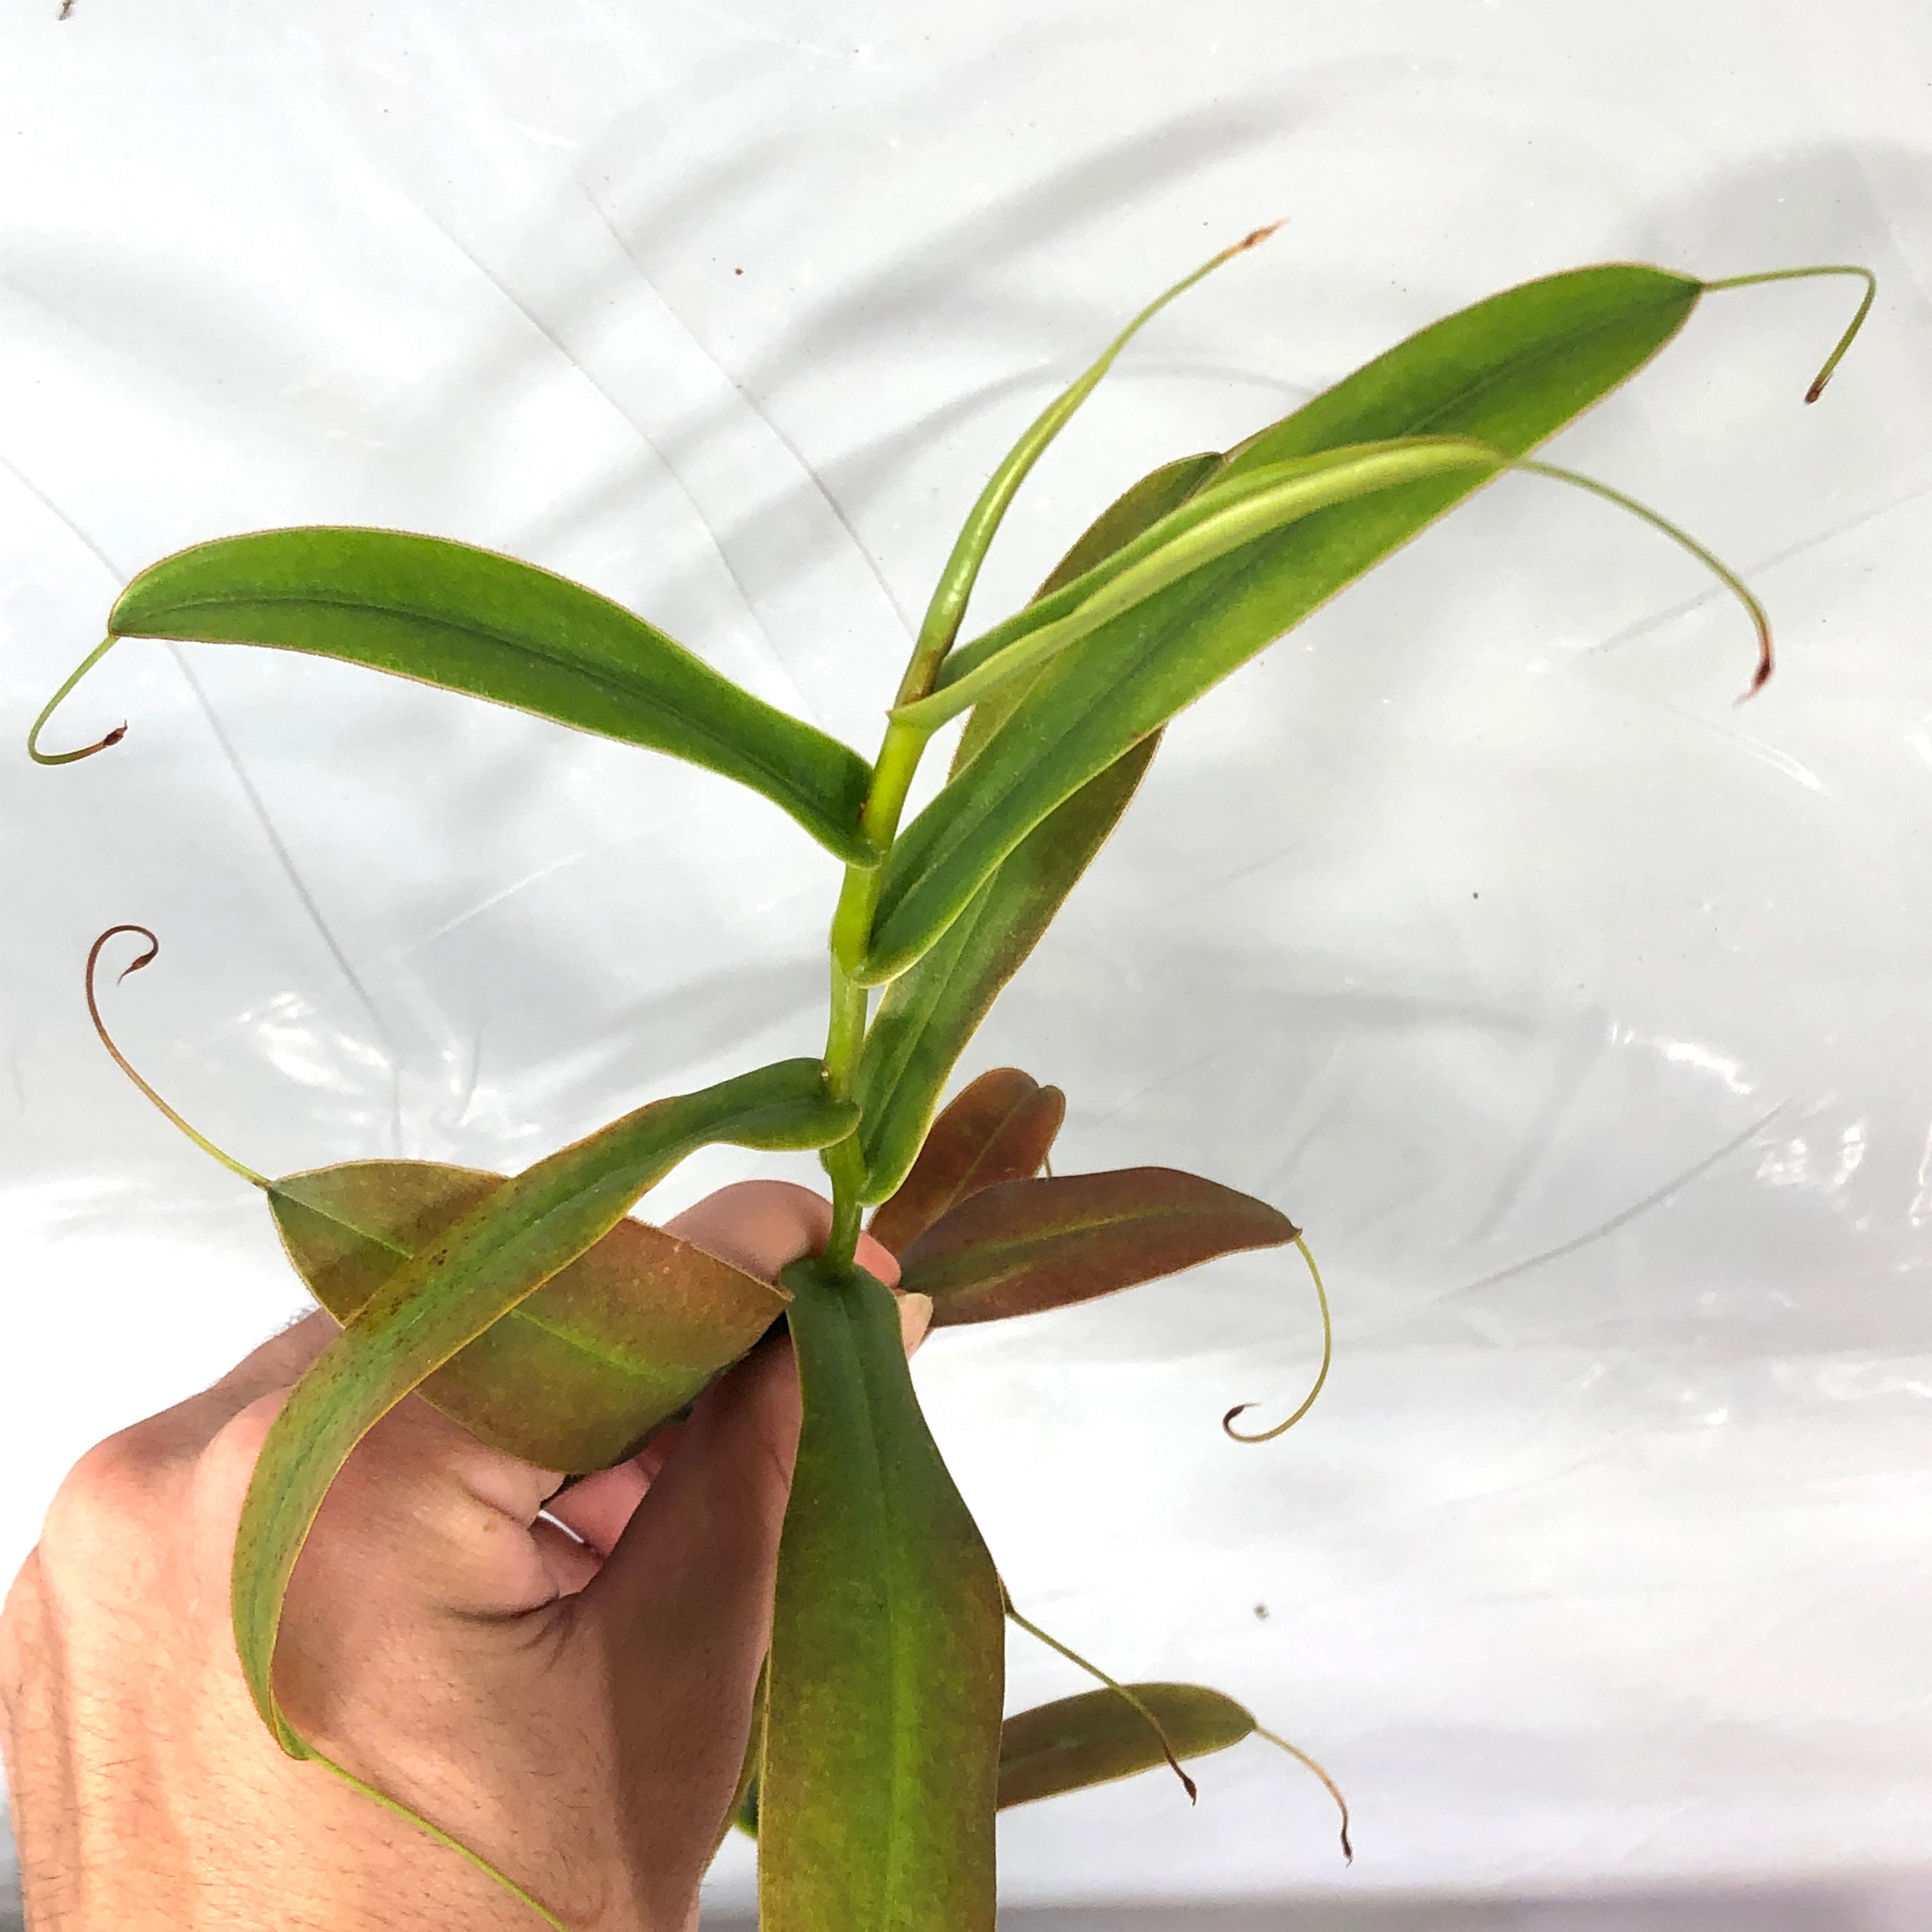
{"x":1334,"y":1790}
{"x":114,"y":737}
{"x":1857,"y":321}
{"x":1321,"y":1375}
{"x":121,"y":1059}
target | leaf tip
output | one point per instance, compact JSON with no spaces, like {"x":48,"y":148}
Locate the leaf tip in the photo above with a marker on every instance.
{"x":1761,"y":676}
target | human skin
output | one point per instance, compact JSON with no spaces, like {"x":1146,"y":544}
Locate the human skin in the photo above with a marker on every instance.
{"x":576,"y":1712}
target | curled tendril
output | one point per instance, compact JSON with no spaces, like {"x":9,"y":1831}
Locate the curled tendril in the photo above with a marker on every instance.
{"x":1729,"y":578}
{"x":121,"y":1059}
{"x":114,"y":737}
{"x":1845,"y":341}
{"x":1320,"y":1376}
{"x":1334,"y":1790}
{"x":1119,"y":1689}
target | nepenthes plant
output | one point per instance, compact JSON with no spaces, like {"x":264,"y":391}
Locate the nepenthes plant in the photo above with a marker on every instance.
{"x":536,"y":1311}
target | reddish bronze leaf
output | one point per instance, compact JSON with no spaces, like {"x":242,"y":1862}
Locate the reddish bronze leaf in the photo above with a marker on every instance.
{"x":574,"y":1377}
{"x":1023,"y":1245}
{"x":997,"y":1129}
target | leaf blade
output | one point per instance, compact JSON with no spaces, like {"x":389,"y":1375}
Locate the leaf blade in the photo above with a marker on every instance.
{"x":1509,"y":371}
{"x":998,"y":1128}
{"x":1095,"y":1738}
{"x":1226,"y":518}
{"x":493,"y":1257}
{"x":470,"y":620}
{"x":1024,"y":1246}
{"x":929,"y":1013}
{"x":572,"y":1378}
{"x":877,"y":1794}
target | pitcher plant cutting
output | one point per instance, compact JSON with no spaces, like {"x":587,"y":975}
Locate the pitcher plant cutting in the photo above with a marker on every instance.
{"x":536,"y":1313}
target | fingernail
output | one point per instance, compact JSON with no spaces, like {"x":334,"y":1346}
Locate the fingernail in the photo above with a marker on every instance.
{"x":915,"y":1319}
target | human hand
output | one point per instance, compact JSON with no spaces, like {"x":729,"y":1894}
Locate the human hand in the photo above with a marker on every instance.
{"x":574,"y":1711}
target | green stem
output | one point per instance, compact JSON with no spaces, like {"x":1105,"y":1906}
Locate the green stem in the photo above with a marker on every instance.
{"x":844,"y":1161}
{"x":905,"y":741}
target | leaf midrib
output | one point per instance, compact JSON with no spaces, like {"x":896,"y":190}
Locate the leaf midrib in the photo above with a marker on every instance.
{"x":602,"y":677}
{"x":1071,"y":718}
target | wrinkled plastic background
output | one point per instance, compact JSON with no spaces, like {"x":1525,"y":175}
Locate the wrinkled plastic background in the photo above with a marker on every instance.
{"x":1579,"y":1015}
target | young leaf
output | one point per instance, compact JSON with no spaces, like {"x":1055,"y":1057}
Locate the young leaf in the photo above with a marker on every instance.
{"x":950,"y":595}
{"x":1024,"y":1245}
{"x":575,"y":1377}
{"x":930,"y":1012}
{"x":1507,"y":372}
{"x":999,"y":1128}
{"x":1098,"y":1736}
{"x":1226,"y":516}
{"x":499,"y":1252}
{"x":470,"y":620}
{"x":876,"y":1798}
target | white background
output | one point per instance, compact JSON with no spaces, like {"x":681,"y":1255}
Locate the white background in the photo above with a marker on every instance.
{"x":1579,"y":1016}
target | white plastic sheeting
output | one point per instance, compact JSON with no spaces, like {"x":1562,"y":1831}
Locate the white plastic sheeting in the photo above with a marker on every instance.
{"x":1578,"y":1013}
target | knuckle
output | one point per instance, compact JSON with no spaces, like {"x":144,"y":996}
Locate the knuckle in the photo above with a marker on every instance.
{"x":115,"y":1483}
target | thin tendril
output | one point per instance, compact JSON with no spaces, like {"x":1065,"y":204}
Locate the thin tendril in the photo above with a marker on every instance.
{"x":1722,"y":572}
{"x":1120,"y":1690}
{"x":441,"y":1837}
{"x":947,"y":608}
{"x":1321,"y":1375}
{"x":1837,"y":355}
{"x":121,"y":1059}
{"x":1334,"y":1790}
{"x":114,"y":737}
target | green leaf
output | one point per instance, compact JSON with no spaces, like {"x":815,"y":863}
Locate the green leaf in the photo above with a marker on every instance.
{"x":1098,"y":1737}
{"x":929,"y":1013}
{"x":1137,"y":509}
{"x":940,"y":625}
{"x":1024,"y":1245}
{"x":467,"y":619}
{"x":1508,"y":372}
{"x":575,"y":1377}
{"x":881,"y":1760}
{"x":1225,"y":518}
{"x":999,"y":1128}
{"x":1094,"y":1739}
{"x":479,"y":1268}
